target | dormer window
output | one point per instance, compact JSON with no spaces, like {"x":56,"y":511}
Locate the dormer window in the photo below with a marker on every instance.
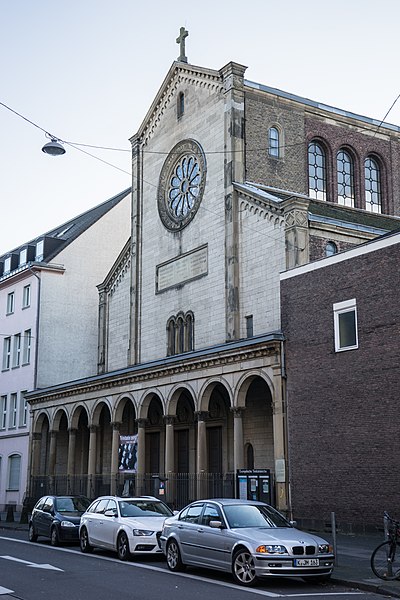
{"x":7,"y":265}
{"x":39,"y":250}
{"x":23,"y":256}
{"x":181,"y":104}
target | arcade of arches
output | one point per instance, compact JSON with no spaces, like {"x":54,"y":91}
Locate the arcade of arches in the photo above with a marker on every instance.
{"x":194,"y":429}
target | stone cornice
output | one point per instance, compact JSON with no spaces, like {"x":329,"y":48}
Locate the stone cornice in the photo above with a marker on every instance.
{"x":265,"y":208}
{"x":180,"y":73}
{"x":143,"y":373}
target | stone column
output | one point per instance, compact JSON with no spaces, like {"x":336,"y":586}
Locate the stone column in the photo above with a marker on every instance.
{"x":233,"y":79}
{"x":238,"y":449}
{"x":279,"y":424}
{"x":114,"y":456}
{"x":52,"y":452}
{"x":136,"y":231}
{"x":141,"y":455}
{"x":92,"y":461}
{"x":71,"y":451}
{"x":36,"y":444}
{"x":102,"y":330}
{"x":169,"y":445}
{"x":201,"y":418}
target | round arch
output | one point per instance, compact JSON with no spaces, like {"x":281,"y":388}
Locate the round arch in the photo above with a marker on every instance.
{"x":207,"y":390}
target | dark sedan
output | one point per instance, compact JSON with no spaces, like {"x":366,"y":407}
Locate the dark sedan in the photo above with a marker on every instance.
{"x":58,"y":518}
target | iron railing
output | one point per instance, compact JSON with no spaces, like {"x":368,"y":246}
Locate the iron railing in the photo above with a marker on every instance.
{"x":176,"y":489}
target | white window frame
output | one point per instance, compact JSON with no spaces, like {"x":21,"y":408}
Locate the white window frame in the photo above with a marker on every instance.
{"x":26,"y":296}
{"x":3,"y":412}
{"x":7,"y":353}
{"x":340,"y":308}
{"x":13,"y":411}
{"x":17,"y":350}
{"x":10,"y":303}
{"x":26,"y":357}
{"x":23,"y":410}
{"x":14,"y":472}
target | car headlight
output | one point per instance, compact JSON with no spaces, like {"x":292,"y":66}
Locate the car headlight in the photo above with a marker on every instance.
{"x":325,"y":549}
{"x":273,"y":549}
{"x":143,"y":532}
{"x":67,"y":524}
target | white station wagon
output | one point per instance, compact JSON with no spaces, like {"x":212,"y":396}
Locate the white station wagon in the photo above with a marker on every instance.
{"x":126,"y":525}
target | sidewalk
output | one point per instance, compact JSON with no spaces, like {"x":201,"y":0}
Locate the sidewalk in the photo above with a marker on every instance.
{"x":353,"y":559}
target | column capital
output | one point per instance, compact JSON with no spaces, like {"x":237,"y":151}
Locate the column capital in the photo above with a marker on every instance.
{"x":53,"y":432}
{"x":201,"y":415}
{"x":36,"y":436}
{"x":115,"y":425}
{"x":169,"y":419}
{"x":93,"y":428}
{"x":72,"y":430}
{"x":237,"y":411}
{"x":142,"y":422}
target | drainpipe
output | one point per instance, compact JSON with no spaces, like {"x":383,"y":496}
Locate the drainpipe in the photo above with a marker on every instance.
{"x":29,"y":491}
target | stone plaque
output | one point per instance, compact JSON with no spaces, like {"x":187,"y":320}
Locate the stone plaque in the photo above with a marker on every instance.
{"x":180,"y":270}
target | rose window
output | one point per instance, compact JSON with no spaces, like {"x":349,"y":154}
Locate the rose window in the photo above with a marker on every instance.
{"x":181,"y":185}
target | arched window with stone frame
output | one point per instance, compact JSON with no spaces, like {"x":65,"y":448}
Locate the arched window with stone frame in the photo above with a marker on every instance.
{"x":180,"y":333}
{"x":189,"y":331}
{"x":171,"y":327}
{"x":180,"y":107}
{"x":345,"y":178}
{"x":317,"y":178}
{"x":372,"y":180}
{"x":274,"y":142}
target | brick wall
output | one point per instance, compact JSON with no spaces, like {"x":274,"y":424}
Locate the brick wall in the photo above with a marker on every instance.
{"x":344,"y":441}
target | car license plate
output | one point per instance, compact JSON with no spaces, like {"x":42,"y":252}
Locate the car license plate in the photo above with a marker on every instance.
{"x":306,"y":562}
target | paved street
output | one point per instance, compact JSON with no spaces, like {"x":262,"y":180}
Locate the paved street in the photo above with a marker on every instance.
{"x":31,"y":571}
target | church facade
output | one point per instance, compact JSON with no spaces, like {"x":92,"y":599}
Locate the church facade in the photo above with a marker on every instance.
{"x":232,"y":183}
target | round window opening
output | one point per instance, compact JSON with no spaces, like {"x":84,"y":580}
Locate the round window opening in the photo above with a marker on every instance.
{"x":181,"y":185}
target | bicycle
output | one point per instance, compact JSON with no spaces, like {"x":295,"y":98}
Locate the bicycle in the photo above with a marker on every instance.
{"x":385,"y":559}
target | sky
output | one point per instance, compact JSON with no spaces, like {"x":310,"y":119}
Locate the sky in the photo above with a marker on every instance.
{"x":87,"y":71}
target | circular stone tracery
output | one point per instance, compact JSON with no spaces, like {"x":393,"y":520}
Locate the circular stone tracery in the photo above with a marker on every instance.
{"x":181,"y":184}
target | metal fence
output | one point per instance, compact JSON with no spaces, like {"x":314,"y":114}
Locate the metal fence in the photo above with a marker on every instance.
{"x":176,"y":489}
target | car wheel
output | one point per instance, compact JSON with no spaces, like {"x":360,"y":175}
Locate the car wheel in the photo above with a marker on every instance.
{"x":84,"y":541}
{"x":32,"y":534}
{"x":54,"y":541}
{"x":123,"y":546}
{"x":243,"y":568}
{"x":174,"y":559}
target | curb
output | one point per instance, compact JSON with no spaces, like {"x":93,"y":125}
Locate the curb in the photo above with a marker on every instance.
{"x":377,"y":588}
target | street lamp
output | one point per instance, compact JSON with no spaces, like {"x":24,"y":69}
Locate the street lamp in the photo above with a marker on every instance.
{"x":54,"y":148}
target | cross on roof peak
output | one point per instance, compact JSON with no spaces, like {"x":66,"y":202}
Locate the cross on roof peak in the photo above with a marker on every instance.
{"x":183,"y":33}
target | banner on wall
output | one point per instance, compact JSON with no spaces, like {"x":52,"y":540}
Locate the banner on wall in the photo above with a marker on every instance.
{"x":127,"y":453}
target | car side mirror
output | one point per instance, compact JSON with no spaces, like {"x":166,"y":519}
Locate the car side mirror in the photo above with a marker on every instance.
{"x":293,"y":523}
{"x":216,"y":524}
{"x":110,"y":512}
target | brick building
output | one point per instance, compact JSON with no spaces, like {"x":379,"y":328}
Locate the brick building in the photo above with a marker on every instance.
{"x":340,"y":318}
{"x":233,"y":183}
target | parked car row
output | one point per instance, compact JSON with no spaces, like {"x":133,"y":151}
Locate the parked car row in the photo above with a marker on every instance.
{"x":252,"y":540}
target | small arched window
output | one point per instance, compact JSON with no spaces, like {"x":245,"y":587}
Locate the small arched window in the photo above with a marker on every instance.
{"x":345,"y":178}
{"x":181,"y":104}
{"x":171,"y":337}
{"x":373,"y":196}
{"x":273,"y":142}
{"x":330,"y":249}
{"x":180,"y":333}
{"x":316,"y":171}
{"x":189,"y":332}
